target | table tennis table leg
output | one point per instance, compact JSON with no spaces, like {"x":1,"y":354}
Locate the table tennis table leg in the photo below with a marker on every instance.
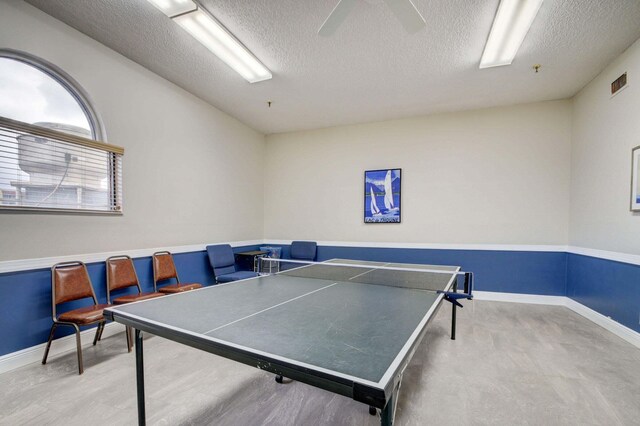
{"x":388,"y":413}
{"x":453,"y":313}
{"x":140,"y":378}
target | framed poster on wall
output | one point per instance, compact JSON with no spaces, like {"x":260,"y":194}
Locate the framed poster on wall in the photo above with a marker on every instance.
{"x":635,"y":179}
{"x":382,"y":198}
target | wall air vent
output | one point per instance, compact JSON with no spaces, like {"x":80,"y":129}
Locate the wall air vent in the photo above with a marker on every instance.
{"x":619,"y":84}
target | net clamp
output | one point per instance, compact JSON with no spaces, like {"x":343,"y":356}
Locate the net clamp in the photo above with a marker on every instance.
{"x":453,"y":297}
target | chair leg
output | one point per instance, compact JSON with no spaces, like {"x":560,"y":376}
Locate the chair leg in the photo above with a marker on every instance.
{"x":128,"y":335}
{"x":95,"y":338}
{"x":46,"y":350}
{"x":79,"y":349}
{"x":98,"y":333}
{"x":102,"y":330}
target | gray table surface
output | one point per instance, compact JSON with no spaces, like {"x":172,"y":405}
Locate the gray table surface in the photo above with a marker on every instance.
{"x":354,"y":323}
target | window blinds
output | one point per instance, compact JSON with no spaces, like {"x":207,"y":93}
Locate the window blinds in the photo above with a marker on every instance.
{"x":48,"y":170}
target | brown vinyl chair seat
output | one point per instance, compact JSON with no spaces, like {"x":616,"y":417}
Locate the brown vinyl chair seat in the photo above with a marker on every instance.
{"x":165,"y":269}
{"x":179,"y":288}
{"x":84,"y":315}
{"x":136,"y":298}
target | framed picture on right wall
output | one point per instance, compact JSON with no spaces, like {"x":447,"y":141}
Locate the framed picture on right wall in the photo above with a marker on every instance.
{"x":635,"y":179}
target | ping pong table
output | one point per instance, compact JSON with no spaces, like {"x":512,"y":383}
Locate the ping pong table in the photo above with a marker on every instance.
{"x":349,"y":327}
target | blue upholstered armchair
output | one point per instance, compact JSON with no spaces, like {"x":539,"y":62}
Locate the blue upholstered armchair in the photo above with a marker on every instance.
{"x":223,"y":263}
{"x":304,"y":250}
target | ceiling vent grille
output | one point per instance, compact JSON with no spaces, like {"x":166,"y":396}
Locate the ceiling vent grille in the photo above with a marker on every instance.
{"x":619,"y":84}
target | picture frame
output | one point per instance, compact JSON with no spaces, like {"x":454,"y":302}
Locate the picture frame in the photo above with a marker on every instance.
{"x":383,"y":196}
{"x":635,"y":179}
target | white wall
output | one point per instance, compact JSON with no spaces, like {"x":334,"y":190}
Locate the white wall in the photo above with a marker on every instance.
{"x":605,"y":129}
{"x":190,"y":171}
{"x":491,"y":176}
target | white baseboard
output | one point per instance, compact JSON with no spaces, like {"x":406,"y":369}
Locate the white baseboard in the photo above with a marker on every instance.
{"x":519,"y":298}
{"x":58,"y":347}
{"x":607,"y":323}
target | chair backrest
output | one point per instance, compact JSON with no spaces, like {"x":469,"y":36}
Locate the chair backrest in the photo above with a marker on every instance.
{"x":121,"y":274}
{"x":163,"y":267}
{"x":221,"y":259}
{"x":303,"y":250}
{"x":70,"y":281}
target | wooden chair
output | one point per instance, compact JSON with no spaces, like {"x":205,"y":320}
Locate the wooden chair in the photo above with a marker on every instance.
{"x":122,"y":274}
{"x":165,"y":269}
{"x":70,"y":281}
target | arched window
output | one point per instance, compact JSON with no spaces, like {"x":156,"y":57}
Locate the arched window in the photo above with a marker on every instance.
{"x":53,"y":154}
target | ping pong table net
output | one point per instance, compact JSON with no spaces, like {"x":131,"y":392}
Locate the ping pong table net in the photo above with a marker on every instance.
{"x":419,"y":277}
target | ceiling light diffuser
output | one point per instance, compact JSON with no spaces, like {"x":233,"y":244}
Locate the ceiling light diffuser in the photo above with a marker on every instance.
{"x":172,"y":8}
{"x":510,"y":26}
{"x":215,"y":37}
{"x":223,"y":44}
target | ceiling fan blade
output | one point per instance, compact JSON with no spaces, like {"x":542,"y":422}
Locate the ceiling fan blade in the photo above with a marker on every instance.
{"x":336,"y":17}
{"x":407,"y":14}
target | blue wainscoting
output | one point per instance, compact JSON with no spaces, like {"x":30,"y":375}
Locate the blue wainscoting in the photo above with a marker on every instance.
{"x":608,"y":287}
{"x":527,"y":272}
{"x":25,"y":296}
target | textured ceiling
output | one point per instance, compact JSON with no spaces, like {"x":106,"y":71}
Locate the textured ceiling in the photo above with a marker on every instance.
{"x":370,"y":69}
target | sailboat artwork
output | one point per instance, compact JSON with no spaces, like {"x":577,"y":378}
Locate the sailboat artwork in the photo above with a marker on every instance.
{"x":375,"y":211}
{"x":382,"y":196}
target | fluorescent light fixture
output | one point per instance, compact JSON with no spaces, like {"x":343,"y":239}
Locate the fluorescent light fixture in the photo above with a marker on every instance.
{"x":510,"y":26}
{"x":172,"y":8}
{"x":208,"y":31}
{"x":215,"y":37}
